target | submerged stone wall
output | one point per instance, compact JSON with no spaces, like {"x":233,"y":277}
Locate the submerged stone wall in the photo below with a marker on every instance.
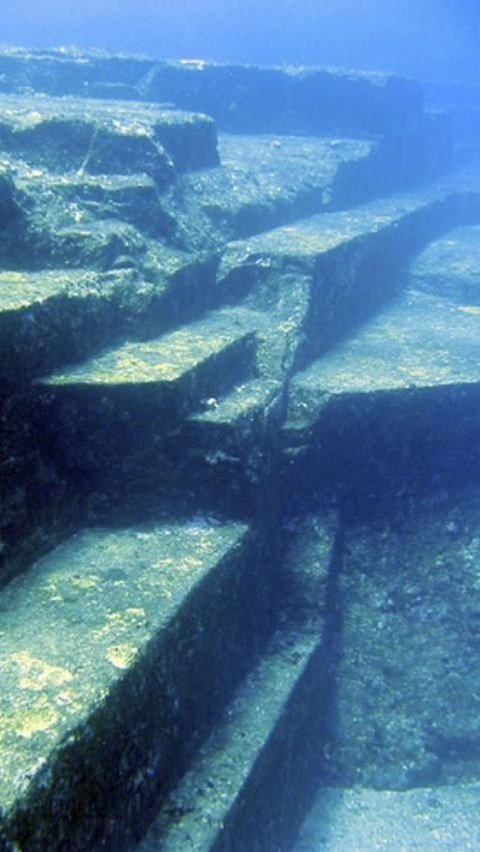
{"x":226,"y":339}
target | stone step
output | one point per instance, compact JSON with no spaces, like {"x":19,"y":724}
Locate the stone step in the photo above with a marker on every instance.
{"x":98,"y":410}
{"x":239,"y":414}
{"x":314,"y":100}
{"x":228,"y":444}
{"x":245,"y":99}
{"x":39,"y":309}
{"x":403,"y":393}
{"x":165,"y":360}
{"x":117,"y":651}
{"x":105,"y":137}
{"x":51,"y":316}
{"x":216,"y":458}
{"x":250,"y":784}
{"x":239,"y":97}
{"x":265,"y":181}
{"x":350,"y":261}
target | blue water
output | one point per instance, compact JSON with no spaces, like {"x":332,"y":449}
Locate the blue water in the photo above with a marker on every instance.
{"x":430,"y":39}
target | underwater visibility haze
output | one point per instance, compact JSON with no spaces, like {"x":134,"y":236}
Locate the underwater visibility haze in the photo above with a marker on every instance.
{"x":239,"y":426}
{"x":431,"y":39}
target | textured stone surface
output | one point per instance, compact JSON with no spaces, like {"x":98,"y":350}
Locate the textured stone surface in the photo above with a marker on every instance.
{"x":450,"y":267}
{"x":118,"y":599}
{"x":103,"y":137}
{"x":240,"y":777}
{"x":406,"y":700}
{"x":220,"y":334}
{"x":433,"y":818}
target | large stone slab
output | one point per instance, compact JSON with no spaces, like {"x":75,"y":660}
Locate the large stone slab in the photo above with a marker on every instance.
{"x":37,"y":309}
{"x":292,"y":98}
{"x":419,"y":342}
{"x":105,"y":137}
{"x":111,"y":670}
{"x":395,"y":404}
{"x":248,"y":99}
{"x":113,"y":411}
{"x":239,"y":97}
{"x":163,"y":361}
{"x":51,"y":317}
{"x":266,"y":180}
{"x":242,"y":791}
{"x":350,"y":261}
{"x":69,"y":71}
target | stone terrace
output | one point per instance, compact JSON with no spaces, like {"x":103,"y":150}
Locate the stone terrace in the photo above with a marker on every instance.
{"x":240,"y":385}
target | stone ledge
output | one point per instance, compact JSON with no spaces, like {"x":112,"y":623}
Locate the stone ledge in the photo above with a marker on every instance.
{"x":106,"y":137}
{"x":127,"y":605}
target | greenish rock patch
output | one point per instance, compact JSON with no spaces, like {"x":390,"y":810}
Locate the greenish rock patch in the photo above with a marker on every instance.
{"x":71,"y":630}
{"x":263,"y":180}
{"x":96,"y":411}
{"x":105,"y":137}
{"x":164,"y":360}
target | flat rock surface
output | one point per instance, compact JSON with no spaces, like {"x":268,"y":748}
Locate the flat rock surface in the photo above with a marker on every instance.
{"x":426,"y":819}
{"x":450,"y":266}
{"x":419,"y":341}
{"x":164,"y":359}
{"x":306,"y":239}
{"x":28,"y":112}
{"x":82,"y":617}
{"x":19,"y":290}
{"x":261,"y":177}
{"x":406,"y":708}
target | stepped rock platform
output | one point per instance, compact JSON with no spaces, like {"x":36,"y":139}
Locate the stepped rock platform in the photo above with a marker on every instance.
{"x":57,"y":694}
{"x":239,"y":459}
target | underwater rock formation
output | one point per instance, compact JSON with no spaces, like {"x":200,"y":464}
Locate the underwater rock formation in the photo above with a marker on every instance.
{"x":239,"y":369}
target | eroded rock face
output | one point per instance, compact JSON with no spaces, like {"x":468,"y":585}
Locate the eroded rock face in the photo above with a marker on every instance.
{"x":198,"y":326}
